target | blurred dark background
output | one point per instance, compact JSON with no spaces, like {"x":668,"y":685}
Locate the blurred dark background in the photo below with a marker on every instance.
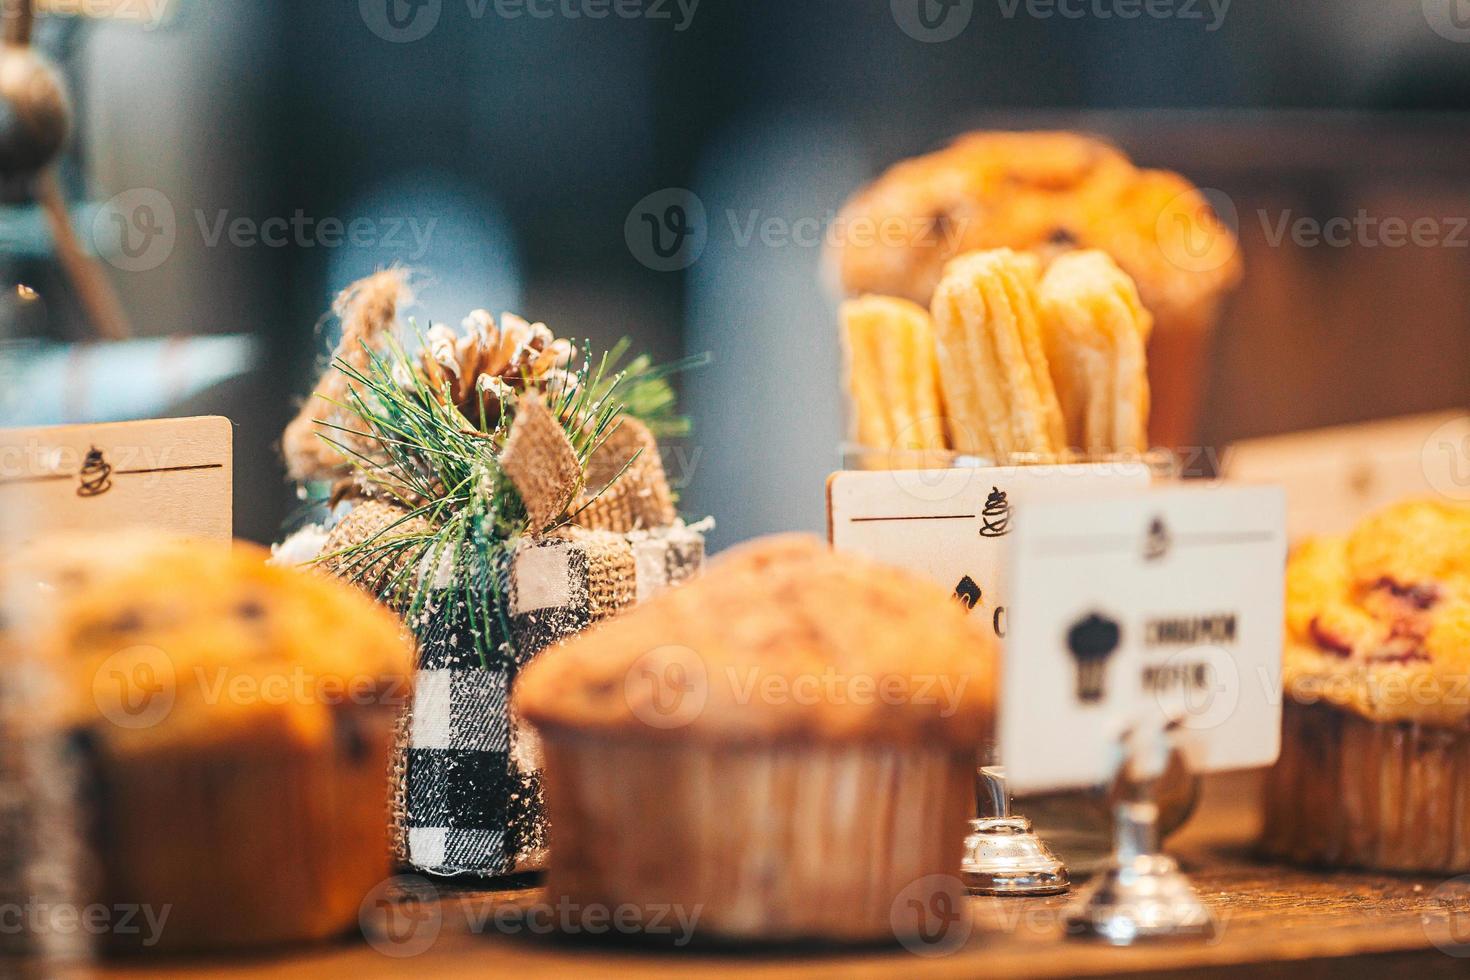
{"x":499,"y":148}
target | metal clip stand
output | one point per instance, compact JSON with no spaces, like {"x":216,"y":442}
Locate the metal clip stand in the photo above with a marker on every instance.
{"x":1142,"y":895}
{"x":1002,"y":855}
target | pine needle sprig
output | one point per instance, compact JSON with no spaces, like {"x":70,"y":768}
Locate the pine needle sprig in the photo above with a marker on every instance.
{"x":462,"y":515}
{"x":646,"y":393}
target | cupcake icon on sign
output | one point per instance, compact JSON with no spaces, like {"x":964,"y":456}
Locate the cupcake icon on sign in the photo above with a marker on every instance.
{"x":1092,"y":641}
{"x":95,"y":474}
{"x":1157,"y":542}
{"x":995,"y":519}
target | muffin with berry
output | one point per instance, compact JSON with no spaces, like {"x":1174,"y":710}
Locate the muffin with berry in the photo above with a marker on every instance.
{"x":1375,"y":761}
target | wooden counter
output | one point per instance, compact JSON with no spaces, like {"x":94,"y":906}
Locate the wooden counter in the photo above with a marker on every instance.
{"x":1276,"y":922}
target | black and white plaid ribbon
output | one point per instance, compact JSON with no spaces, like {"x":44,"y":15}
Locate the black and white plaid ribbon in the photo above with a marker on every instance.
{"x":473,"y":794}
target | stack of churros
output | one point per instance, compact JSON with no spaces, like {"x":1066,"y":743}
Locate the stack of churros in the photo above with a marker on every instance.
{"x":1048,"y":192}
{"x":1014,"y":365}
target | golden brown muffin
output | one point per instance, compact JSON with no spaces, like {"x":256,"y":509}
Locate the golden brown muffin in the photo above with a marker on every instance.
{"x":1375,"y":766}
{"x":785,"y":744}
{"x":1050,"y":192}
{"x":239,"y":718}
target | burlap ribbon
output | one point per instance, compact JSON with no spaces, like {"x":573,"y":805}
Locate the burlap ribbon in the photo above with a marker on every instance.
{"x":368,"y":310}
{"x":624,"y":488}
{"x":380,"y":521}
{"x":398,"y":786}
{"x":540,"y":461}
{"x":639,"y":498}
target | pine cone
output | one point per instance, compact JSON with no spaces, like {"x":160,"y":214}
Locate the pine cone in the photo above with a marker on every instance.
{"x":485,"y":363}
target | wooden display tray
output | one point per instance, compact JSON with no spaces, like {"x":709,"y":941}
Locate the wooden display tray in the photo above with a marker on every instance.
{"x":1278,"y":922}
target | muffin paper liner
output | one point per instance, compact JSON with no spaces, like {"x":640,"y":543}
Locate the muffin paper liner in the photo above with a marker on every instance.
{"x":773,"y":843}
{"x":191,"y":829}
{"x":1349,"y":792}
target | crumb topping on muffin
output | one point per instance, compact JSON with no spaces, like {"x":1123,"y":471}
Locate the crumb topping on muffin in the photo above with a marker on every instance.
{"x":154,"y":639}
{"x":782,"y":639}
{"x":1378,"y":622}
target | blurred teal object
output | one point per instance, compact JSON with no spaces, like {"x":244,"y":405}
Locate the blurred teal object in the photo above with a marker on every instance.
{"x":56,"y":384}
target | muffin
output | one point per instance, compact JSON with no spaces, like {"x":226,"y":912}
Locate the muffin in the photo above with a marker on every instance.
{"x":1375,"y":761}
{"x":235,"y":721}
{"x":1051,"y":192}
{"x":785,"y":744}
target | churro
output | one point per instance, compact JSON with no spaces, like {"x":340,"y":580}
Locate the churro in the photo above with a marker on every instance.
{"x":893,"y":374}
{"x":1095,"y":331}
{"x":992,"y":363}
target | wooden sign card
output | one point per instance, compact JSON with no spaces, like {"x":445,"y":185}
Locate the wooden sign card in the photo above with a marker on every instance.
{"x":175,"y":475}
{"x":952,"y":525}
{"x":1335,"y":477}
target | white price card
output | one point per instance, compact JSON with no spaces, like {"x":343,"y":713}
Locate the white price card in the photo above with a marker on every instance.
{"x":1335,"y":477}
{"x":1139,"y":611}
{"x":952,"y":525}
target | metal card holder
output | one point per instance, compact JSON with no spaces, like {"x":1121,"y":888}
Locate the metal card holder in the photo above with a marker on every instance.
{"x":1142,"y":895}
{"x":1003,"y":857}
